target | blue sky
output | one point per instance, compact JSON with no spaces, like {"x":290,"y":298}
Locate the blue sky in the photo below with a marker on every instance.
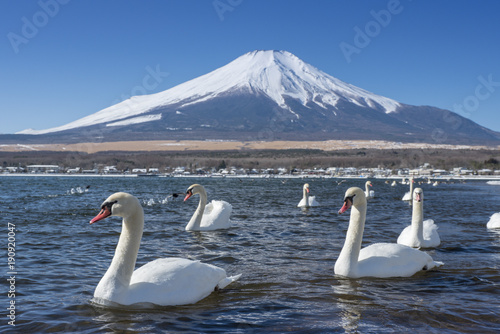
{"x":63,"y":60}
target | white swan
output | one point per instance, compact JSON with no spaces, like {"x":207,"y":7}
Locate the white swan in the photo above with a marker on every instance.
{"x":208,"y":217}
{"x":369,"y":193}
{"x":408,"y":195}
{"x":376,"y":260}
{"x":307,"y":201}
{"x":420,"y":233}
{"x":494,"y":221}
{"x":167,"y":281}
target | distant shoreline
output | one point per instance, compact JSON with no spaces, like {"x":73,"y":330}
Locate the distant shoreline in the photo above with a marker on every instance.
{"x":260,"y":176}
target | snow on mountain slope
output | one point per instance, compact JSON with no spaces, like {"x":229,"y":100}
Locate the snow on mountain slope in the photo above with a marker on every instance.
{"x":136,"y":120}
{"x":277,"y":74}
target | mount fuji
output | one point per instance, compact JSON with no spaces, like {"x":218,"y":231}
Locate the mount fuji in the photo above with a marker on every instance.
{"x":267,"y":95}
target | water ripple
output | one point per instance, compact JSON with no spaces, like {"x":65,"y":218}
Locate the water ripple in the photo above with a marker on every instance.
{"x":286,"y":256}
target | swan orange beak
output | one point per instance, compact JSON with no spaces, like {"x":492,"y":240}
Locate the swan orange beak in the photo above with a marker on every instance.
{"x":189,"y":194}
{"x":346,"y":206}
{"x":105,"y":212}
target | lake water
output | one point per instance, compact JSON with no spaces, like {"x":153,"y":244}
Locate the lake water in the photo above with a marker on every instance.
{"x":286,"y":256}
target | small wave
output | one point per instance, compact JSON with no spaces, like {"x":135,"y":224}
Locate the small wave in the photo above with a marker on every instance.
{"x":78,"y":190}
{"x":493,"y":183}
{"x":153,"y":201}
{"x":160,"y":201}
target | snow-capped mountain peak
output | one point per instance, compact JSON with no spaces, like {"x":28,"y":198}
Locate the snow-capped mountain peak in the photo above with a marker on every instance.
{"x":276,"y":74}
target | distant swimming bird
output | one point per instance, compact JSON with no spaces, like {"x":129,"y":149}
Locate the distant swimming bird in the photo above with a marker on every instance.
{"x":369,"y":193}
{"x":307,"y":201}
{"x":376,"y":260}
{"x":408,"y":195}
{"x":208,"y":217}
{"x":166,"y":281}
{"x":420,"y":233}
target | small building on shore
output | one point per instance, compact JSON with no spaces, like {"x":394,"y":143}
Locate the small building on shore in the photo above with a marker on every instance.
{"x":37,"y":169}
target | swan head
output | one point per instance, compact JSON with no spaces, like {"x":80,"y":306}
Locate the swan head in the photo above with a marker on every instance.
{"x":418,"y":195}
{"x":119,"y":204}
{"x":306,"y":187}
{"x":369,"y":183}
{"x":194,"y":189}
{"x":354,"y":196}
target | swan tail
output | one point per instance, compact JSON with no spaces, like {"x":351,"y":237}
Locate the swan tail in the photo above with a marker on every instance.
{"x":433,"y":264}
{"x":226,"y":281}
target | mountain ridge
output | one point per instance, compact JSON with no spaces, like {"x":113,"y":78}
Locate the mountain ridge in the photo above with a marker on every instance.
{"x":269,"y":95}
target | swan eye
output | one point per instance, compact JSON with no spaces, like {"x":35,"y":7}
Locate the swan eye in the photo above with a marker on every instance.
{"x":349,"y":200}
{"x":108,"y":205}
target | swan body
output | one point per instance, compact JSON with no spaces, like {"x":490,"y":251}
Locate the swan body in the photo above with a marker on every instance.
{"x":166,"y":281}
{"x":208,"y":217}
{"x":420,"y":233}
{"x":376,"y":260}
{"x":369,"y":193}
{"x":408,"y":195}
{"x":494,"y":221}
{"x":307,"y":201}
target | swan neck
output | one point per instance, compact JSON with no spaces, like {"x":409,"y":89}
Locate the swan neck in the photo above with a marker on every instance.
{"x":306,"y":196}
{"x":115,"y":282}
{"x":417,"y":220}
{"x":349,"y":255}
{"x":195,"y":221}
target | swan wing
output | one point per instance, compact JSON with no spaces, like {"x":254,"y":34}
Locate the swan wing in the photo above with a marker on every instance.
{"x":216,"y":216}
{"x":175,"y":281}
{"x":407,"y":196}
{"x":312,"y":201}
{"x":406,"y":238}
{"x":302,"y":203}
{"x":494,"y":221}
{"x":393,"y":260}
{"x":431,"y":235}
